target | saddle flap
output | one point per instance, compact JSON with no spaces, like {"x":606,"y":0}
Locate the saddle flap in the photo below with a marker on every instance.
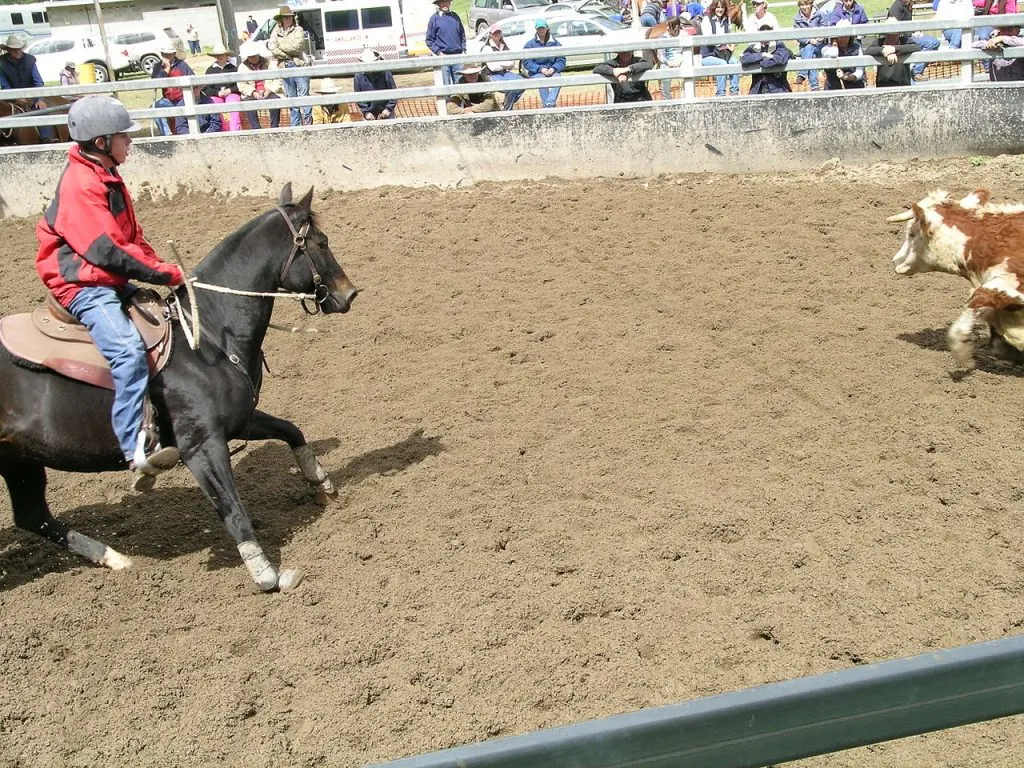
{"x":41,"y":338}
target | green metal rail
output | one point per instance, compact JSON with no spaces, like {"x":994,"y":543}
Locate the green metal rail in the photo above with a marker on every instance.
{"x":775,"y":723}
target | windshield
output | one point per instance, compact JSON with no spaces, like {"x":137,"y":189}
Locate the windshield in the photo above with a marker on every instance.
{"x":608,"y":23}
{"x":532,"y":3}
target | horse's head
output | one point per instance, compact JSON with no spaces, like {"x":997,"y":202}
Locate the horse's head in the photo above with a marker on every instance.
{"x":311,"y":266}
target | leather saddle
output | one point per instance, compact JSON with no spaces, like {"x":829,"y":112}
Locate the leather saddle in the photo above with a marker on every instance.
{"x":52,"y":337}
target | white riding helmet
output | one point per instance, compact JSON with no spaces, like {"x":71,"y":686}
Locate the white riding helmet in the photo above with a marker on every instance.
{"x":96,"y":116}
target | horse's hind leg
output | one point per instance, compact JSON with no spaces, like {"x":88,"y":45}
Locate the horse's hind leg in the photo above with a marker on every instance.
{"x":27,"y":486}
{"x":263,"y":426}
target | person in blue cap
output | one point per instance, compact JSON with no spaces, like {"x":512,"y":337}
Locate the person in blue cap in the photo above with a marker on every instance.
{"x":551,"y":66}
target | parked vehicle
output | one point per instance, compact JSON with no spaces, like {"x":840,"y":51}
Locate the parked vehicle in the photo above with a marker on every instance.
{"x":30,"y":21}
{"x":484,"y":13}
{"x":339,"y":30}
{"x":53,"y":53}
{"x":570,"y":29}
{"x":143,"y":44}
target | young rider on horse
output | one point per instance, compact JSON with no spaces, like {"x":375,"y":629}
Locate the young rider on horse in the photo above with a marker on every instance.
{"x":90,"y":245}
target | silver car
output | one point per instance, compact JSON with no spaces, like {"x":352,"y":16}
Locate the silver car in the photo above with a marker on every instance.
{"x":483,"y":13}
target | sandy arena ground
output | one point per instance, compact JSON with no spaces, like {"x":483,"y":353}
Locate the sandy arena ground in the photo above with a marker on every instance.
{"x":601,"y":445}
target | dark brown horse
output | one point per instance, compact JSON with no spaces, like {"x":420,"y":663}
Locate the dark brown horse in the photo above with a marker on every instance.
{"x":27,"y":135}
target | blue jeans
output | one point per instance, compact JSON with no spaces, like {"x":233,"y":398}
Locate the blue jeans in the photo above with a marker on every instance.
{"x":298,"y":86}
{"x":927,"y":43}
{"x":953,"y":37}
{"x":193,"y":46}
{"x":450,"y":73}
{"x":511,"y":97}
{"x":100,"y":310}
{"x":811,"y":51}
{"x":162,"y":124}
{"x":548,"y":96}
{"x":648,"y":20}
{"x":734,"y":80}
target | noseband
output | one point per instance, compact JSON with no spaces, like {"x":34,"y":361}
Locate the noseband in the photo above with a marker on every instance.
{"x":320,"y":291}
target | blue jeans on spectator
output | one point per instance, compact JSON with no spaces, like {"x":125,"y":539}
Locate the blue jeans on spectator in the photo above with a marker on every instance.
{"x":450,"y":73}
{"x":100,"y":310}
{"x":811,"y":51}
{"x":162,"y":124}
{"x":548,"y":96}
{"x":734,"y":80}
{"x":297,"y":86}
{"x":511,"y":97}
{"x":927,"y":43}
{"x":953,"y":37}
{"x":193,"y":45}
{"x":648,"y":20}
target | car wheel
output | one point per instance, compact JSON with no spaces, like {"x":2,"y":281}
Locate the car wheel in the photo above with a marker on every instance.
{"x":102,"y":73}
{"x":149,"y":61}
{"x":481,"y":27}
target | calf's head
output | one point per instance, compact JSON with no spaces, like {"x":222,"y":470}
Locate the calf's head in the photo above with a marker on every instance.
{"x":935,"y":240}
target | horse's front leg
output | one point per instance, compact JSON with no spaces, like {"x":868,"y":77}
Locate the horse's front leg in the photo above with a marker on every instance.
{"x":211,"y":465}
{"x":263,"y":426}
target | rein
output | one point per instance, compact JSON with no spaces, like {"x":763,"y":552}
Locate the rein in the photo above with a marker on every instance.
{"x":319,"y":295}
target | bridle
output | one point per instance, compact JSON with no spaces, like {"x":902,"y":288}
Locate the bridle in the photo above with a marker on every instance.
{"x":320,"y":290}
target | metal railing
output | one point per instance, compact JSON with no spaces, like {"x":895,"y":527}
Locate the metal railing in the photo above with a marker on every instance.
{"x":689,"y":72}
{"x":775,"y":723}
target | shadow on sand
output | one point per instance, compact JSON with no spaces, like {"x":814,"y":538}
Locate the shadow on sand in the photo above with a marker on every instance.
{"x":172,"y":522}
{"x":997,"y":358}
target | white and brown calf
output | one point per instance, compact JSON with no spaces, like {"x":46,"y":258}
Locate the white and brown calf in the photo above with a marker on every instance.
{"x":980,"y":241}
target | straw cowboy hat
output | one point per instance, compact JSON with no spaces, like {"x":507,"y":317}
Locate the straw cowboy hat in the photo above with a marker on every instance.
{"x":168,"y":48}
{"x":327,"y":86}
{"x":283,"y":11}
{"x":369,"y":56}
{"x":220,"y":50}
{"x":14,"y":42}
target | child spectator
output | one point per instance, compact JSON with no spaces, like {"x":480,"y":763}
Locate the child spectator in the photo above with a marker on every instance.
{"x":257,"y":91}
{"x":224,"y":93}
{"x":473,"y":103}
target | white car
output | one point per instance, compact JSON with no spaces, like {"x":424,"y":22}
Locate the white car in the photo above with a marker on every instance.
{"x":53,"y":53}
{"x":143,"y":44}
{"x":570,"y":29}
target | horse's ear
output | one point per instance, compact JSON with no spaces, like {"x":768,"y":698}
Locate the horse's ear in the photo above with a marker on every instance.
{"x":307,"y":200}
{"x":286,"y":194}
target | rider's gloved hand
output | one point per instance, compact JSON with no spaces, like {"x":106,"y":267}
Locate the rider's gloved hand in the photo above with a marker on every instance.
{"x":177,"y":276}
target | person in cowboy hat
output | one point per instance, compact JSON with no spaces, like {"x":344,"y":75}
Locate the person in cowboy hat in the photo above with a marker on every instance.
{"x":18,"y":70}
{"x":90,"y":247}
{"x":287,"y":45}
{"x":69,"y":75}
{"x":224,"y":93}
{"x":329,"y":113}
{"x":446,"y":37}
{"x":254,"y":59}
{"x":474,"y":103}
{"x":380,"y":80}
{"x":501,"y":70}
{"x":171,"y":66}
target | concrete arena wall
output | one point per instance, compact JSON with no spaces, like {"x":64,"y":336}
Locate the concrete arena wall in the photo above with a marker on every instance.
{"x":728,"y":135}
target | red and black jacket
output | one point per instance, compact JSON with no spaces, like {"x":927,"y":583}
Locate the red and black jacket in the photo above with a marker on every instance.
{"x":89,"y":235}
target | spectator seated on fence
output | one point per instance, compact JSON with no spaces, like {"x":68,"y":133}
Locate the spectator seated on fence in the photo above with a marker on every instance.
{"x":18,"y":70}
{"x":623,"y":71}
{"x":903,"y":10}
{"x":669,"y":58}
{"x":650,"y":13}
{"x":383,"y":80}
{"x":550,"y":66}
{"x":760,"y":17}
{"x":329,"y":113}
{"x":501,"y":70}
{"x":850,"y":10}
{"x":953,"y":10}
{"x":224,"y":93}
{"x":767,"y":54}
{"x":891,"y":47}
{"x":716,"y":22}
{"x":69,"y":75}
{"x":473,"y":103}
{"x":255,"y":59}
{"x":1002,"y":69}
{"x":844,"y":78}
{"x":170,"y":66}
{"x":810,"y":48}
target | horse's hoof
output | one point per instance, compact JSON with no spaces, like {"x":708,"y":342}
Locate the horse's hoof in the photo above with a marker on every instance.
{"x":289,"y":579}
{"x":115,"y":561}
{"x":323,"y":498}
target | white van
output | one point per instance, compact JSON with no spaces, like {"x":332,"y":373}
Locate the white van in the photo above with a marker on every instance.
{"x":339,"y":30}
